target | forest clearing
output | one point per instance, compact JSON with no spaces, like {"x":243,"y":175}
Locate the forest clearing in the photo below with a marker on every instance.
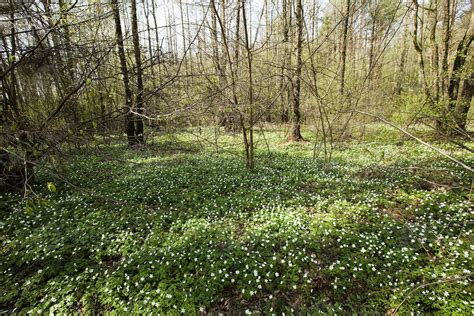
{"x":175,"y":228}
{"x":236,"y":157}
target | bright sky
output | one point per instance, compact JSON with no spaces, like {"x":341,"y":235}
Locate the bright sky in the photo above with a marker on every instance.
{"x":168,"y":11}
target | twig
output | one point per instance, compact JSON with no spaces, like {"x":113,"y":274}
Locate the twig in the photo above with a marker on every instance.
{"x":394,"y":312}
{"x":441,"y":152}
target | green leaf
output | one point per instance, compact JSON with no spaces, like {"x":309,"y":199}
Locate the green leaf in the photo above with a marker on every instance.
{"x":51,"y":187}
{"x":29,"y":206}
{"x":29,"y":210}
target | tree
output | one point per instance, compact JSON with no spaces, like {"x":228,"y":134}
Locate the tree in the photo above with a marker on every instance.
{"x":129,"y":117}
{"x":248,"y":131}
{"x":296,"y":130}
{"x":139,"y":139}
{"x":344,"y":44}
{"x":286,"y":62}
{"x":459,"y":103}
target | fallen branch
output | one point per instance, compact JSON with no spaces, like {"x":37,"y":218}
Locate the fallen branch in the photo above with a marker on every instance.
{"x":440,"y":151}
{"x":449,"y":280}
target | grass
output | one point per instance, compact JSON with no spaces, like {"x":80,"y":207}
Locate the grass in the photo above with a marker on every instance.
{"x":181,"y":226}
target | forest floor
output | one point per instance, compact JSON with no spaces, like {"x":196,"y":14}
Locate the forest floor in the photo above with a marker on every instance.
{"x":180,"y":226}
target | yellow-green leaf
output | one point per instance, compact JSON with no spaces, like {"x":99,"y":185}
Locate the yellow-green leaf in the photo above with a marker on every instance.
{"x":51,"y":187}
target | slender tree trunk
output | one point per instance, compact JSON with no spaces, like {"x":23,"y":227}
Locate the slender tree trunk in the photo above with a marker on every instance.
{"x":224,"y":34}
{"x":446,"y":43}
{"x":268,"y":116}
{"x":13,"y":97}
{"x":417,"y":43}
{"x":201,"y":43}
{"x":183,"y":37}
{"x":296,"y":130}
{"x":225,"y":119}
{"x":215,"y":41}
{"x":435,"y":53}
{"x":55,"y":61}
{"x":188,"y":29}
{"x":139,"y":76}
{"x":146,"y":11}
{"x":130,"y":124}
{"x":234,"y":68}
{"x":169,"y":33}
{"x":370,"y":70}
{"x":217,"y":58}
{"x":402,"y":62}
{"x":284,"y":68}
{"x":249,"y":137}
{"x":69,"y":82}
{"x":233,"y":80}
{"x":157,"y":37}
{"x":344,"y":45}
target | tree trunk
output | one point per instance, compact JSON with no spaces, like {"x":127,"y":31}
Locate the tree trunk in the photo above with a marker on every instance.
{"x":69,"y":82}
{"x":248,"y":132}
{"x":417,"y":43}
{"x":400,"y":76}
{"x":456,"y":75}
{"x":219,"y":59}
{"x":344,"y":45}
{"x":139,"y":76}
{"x":464,"y":102}
{"x":129,"y":122}
{"x":446,"y":43}
{"x":157,"y":38}
{"x":284,"y":68}
{"x":233,"y":118}
{"x":438,"y":84}
{"x":296,"y":130}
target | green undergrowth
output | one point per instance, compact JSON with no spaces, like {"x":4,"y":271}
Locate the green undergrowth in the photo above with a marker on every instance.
{"x":182,"y":227}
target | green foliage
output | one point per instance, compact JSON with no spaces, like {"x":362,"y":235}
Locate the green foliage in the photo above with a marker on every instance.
{"x":172,"y":230}
{"x":411,"y":108}
{"x":51,"y":187}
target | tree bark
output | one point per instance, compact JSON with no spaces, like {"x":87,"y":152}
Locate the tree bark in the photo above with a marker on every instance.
{"x":464,"y":102}
{"x":446,"y":43}
{"x":284,"y":68}
{"x":438,"y":84}
{"x":417,"y":43}
{"x":296,"y":130}
{"x":139,"y":139}
{"x":248,"y":132}
{"x":456,"y":76}
{"x":129,"y":122}
{"x":344,"y":45}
